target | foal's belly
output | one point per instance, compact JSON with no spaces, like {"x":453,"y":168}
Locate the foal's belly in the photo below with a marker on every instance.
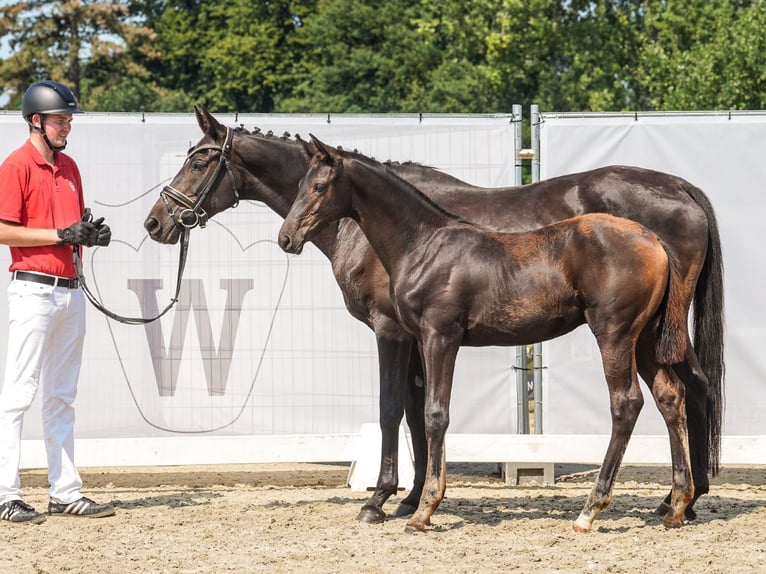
{"x":484,"y":334}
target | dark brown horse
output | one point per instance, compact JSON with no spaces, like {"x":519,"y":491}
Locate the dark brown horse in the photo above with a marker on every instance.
{"x":268,"y":169}
{"x":454,"y":283}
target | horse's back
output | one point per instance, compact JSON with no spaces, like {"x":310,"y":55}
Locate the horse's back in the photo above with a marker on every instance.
{"x":660,"y":201}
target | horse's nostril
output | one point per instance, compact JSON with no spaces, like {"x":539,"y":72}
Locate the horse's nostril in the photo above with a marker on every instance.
{"x":151,"y":224}
{"x":286,"y":241}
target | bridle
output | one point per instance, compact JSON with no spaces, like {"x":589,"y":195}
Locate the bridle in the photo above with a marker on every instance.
{"x":188,"y":218}
{"x":191,"y":215}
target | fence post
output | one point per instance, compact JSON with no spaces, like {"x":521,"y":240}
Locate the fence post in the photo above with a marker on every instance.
{"x":522,"y":408}
{"x":537,"y":357}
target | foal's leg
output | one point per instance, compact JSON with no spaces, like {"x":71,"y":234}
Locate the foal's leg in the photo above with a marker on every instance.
{"x":625,"y":401}
{"x":668,"y":392}
{"x":439,"y":355}
{"x":393,"y":364}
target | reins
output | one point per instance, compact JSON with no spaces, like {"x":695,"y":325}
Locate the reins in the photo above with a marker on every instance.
{"x":135,"y":320}
{"x":190,"y":217}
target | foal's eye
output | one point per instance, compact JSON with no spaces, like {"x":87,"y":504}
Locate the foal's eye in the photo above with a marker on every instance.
{"x":320,"y":188}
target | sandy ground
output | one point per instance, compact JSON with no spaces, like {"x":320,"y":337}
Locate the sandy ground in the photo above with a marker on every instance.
{"x":301,"y":518}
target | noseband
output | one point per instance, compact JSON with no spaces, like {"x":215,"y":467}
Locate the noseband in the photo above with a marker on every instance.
{"x":191,"y":215}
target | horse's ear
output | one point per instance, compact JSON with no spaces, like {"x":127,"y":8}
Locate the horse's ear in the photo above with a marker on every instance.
{"x":309,"y":149}
{"x":207,"y":123}
{"x":328,"y":153}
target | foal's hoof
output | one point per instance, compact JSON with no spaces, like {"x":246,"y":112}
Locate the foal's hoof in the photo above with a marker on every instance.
{"x":404,"y":510}
{"x":371,"y":515}
{"x":413,"y":529}
{"x":667,"y":523}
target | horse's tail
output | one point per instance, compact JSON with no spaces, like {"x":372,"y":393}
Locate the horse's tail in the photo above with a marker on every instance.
{"x":673,"y":330}
{"x":709,"y":327}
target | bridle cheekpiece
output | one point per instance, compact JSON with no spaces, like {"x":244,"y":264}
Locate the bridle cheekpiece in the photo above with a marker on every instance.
{"x":191,"y":215}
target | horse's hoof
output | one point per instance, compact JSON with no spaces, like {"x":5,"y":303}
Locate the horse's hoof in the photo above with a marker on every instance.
{"x":371,"y":515}
{"x":404,"y":510}
{"x":664,"y":508}
{"x":580,"y":529}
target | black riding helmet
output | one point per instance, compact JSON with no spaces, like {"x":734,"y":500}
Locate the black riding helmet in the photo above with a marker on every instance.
{"x":48,"y":97}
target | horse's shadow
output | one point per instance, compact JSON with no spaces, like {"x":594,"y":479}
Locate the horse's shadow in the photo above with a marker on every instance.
{"x":463,"y":512}
{"x":457,"y":513}
{"x":171,"y":501}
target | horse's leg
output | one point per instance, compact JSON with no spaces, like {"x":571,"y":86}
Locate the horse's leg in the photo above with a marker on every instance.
{"x":439,"y":354}
{"x":696,"y":383}
{"x":414,"y":410}
{"x":668,"y":392}
{"x":393,"y":363}
{"x":625,"y":401}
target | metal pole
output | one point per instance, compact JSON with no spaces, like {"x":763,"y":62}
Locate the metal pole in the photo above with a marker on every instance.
{"x":537,"y":352}
{"x":535,"y":133}
{"x":522,"y":409}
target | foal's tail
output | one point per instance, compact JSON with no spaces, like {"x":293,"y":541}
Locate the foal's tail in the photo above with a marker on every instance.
{"x":709,"y":327}
{"x":673,"y":330}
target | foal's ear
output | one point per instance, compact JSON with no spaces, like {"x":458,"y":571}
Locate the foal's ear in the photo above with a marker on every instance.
{"x":308,"y":148}
{"x":328,"y":154}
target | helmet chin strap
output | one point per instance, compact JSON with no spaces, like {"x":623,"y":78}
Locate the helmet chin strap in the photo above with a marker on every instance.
{"x":41,"y":129}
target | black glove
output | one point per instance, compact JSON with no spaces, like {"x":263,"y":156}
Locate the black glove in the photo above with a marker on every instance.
{"x":76,"y":234}
{"x":102,"y":235}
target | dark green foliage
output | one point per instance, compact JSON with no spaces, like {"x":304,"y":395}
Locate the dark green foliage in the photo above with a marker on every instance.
{"x":457,"y":56}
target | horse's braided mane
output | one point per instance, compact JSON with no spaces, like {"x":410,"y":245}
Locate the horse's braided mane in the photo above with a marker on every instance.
{"x":287,"y":137}
{"x":258,"y":132}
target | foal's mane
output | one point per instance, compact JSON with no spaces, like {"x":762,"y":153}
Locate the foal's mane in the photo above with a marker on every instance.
{"x":385,"y":170}
{"x":384,"y":167}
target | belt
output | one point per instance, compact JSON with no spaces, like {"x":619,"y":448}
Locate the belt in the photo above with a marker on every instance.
{"x":72,"y":283}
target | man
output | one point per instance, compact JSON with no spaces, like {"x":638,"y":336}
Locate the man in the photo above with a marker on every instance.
{"x":41,"y":220}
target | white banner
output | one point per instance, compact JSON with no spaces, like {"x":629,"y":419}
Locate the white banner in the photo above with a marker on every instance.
{"x":721,"y":153}
{"x":260,"y":343}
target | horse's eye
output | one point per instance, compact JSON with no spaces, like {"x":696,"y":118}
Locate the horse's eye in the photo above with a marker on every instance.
{"x":320,"y":188}
{"x":198,"y":165}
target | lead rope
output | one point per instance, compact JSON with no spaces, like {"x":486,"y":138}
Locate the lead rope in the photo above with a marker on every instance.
{"x":134,"y":320}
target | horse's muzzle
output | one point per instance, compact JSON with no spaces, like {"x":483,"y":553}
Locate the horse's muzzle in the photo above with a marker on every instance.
{"x":166,"y":234}
{"x":289,"y":245}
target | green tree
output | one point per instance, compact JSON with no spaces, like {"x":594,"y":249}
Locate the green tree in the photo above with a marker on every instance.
{"x":86,"y":44}
{"x":232,"y":56}
{"x":575,"y":55}
{"x":458,"y":56}
{"x":359,"y":56}
{"x":473,"y":44}
{"x":704,"y":54}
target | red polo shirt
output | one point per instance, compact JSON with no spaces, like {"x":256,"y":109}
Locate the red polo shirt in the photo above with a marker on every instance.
{"x":39,"y":195}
